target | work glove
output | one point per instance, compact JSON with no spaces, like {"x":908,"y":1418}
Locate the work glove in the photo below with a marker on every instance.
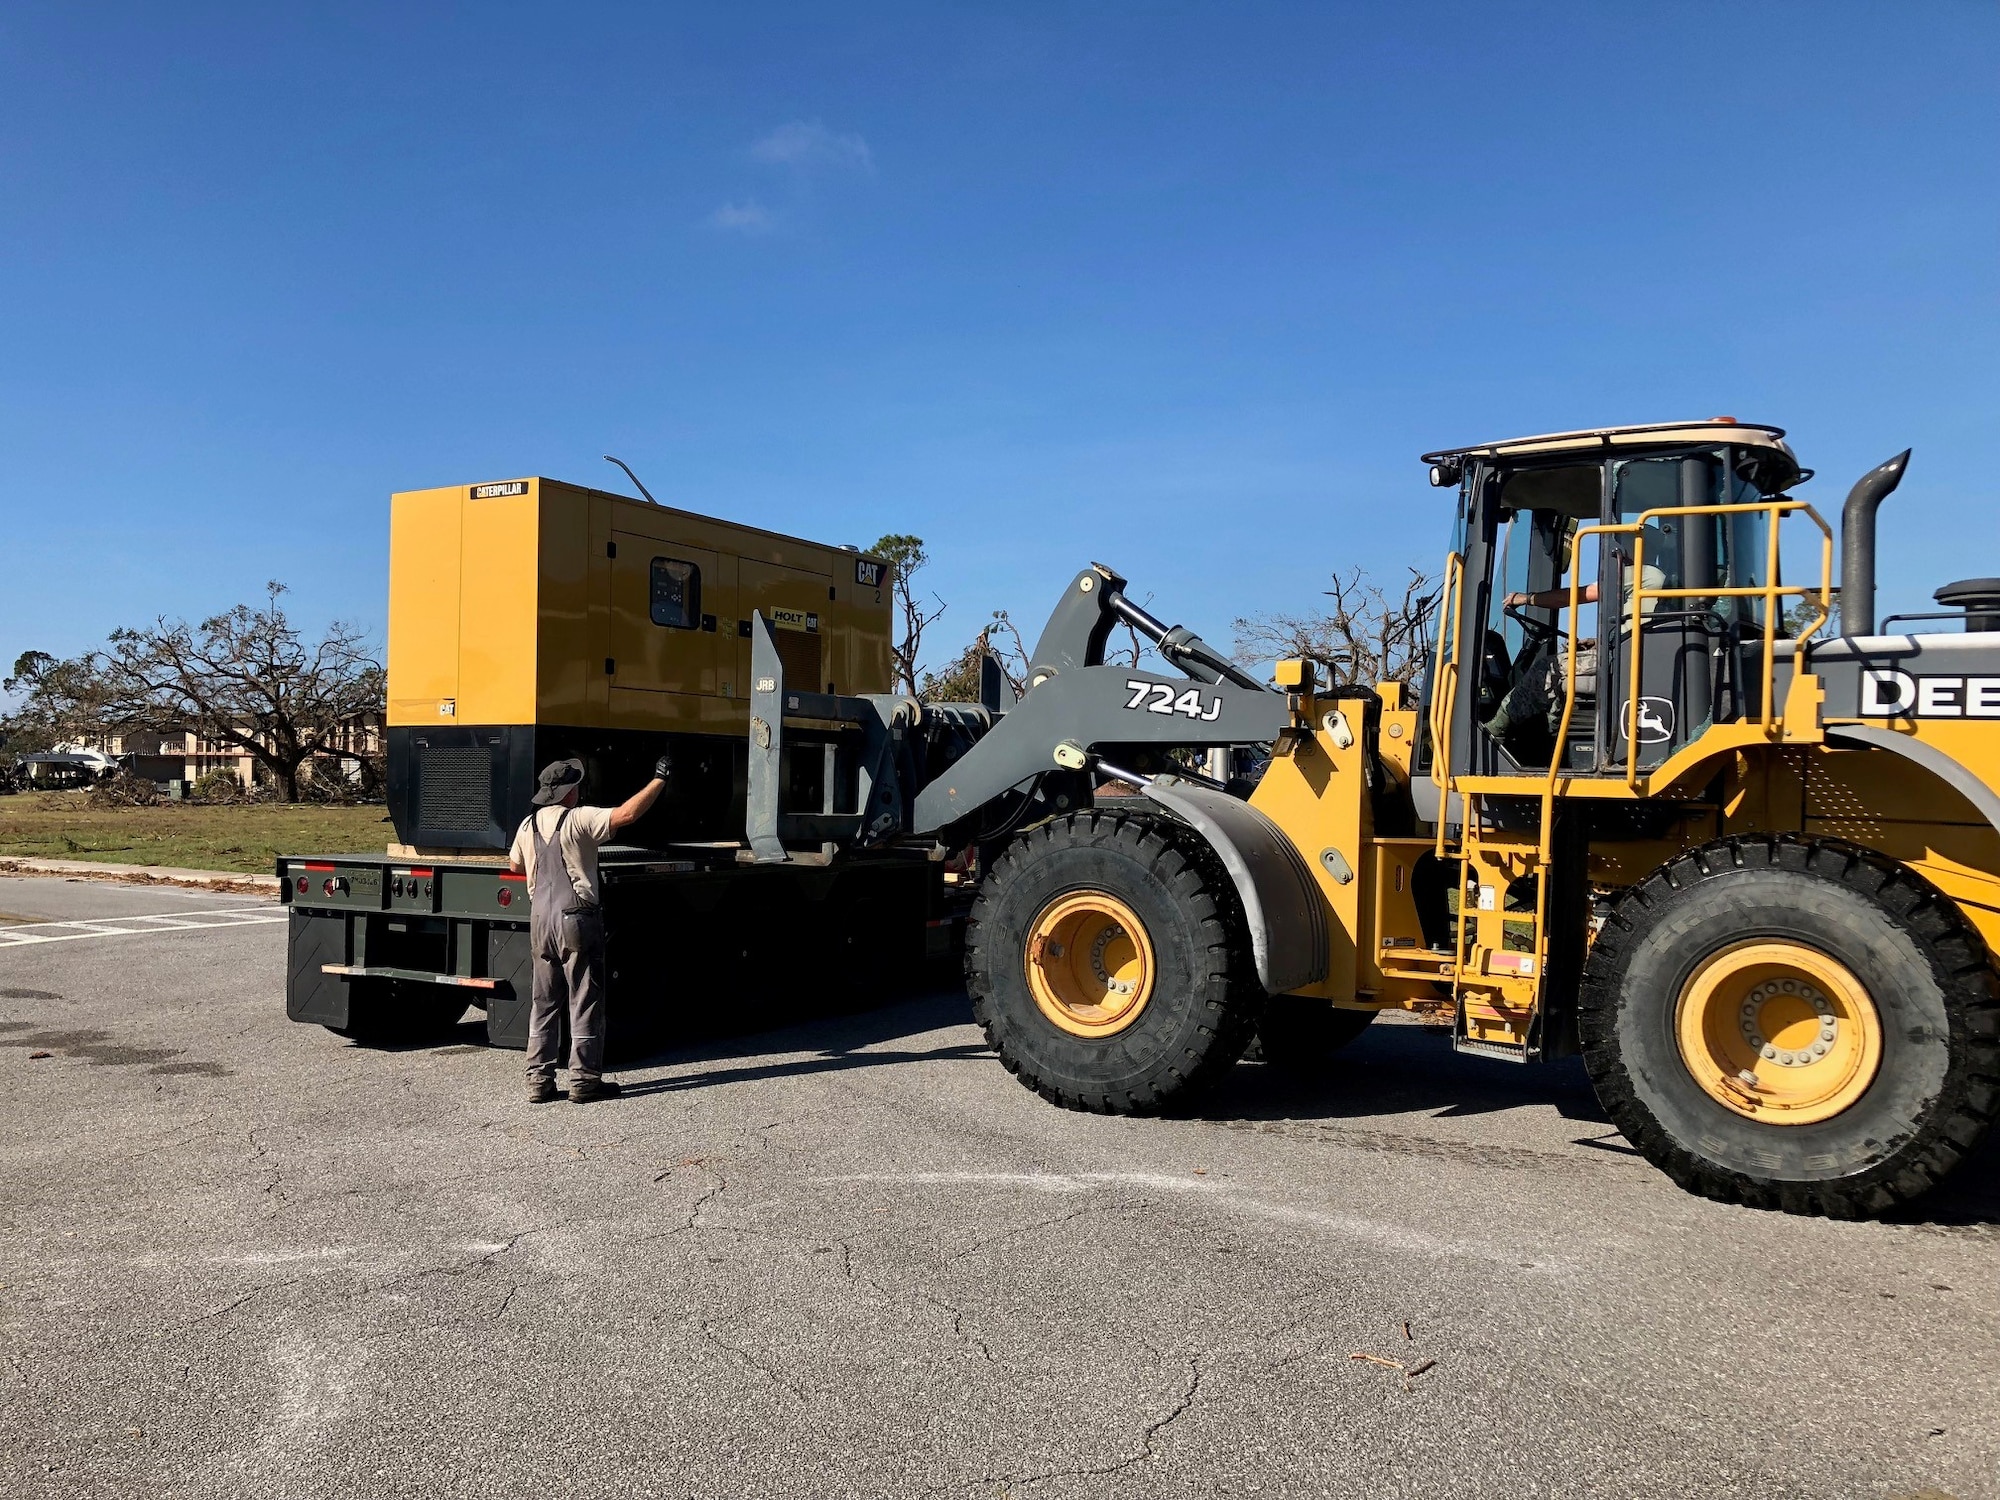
{"x":663,"y":768}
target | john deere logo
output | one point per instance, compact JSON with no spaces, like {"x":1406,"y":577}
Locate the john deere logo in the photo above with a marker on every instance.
{"x":1656,"y":721}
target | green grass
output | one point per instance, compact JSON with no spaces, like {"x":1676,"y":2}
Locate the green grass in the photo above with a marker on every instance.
{"x":65,"y":825}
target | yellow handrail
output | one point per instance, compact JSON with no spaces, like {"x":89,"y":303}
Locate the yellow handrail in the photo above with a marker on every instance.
{"x":1542,"y":849}
{"x":1444,"y":696}
{"x":1770,"y":592}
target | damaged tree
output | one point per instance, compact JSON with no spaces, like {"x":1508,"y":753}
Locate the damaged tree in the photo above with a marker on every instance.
{"x":906,"y":556}
{"x":248,"y":678}
{"x":1368,"y":633}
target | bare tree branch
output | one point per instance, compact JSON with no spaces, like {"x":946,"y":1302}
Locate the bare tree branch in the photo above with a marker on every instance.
{"x":1367,"y":634}
{"x":907,"y":556}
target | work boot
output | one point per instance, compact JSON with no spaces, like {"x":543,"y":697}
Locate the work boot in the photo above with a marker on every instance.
{"x":541,"y":1090}
{"x":583,"y":1090}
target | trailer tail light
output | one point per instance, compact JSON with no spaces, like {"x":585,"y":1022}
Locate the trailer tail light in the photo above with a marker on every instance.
{"x":506,"y":896}
{"x":304,"y":885}
{"x":326,"y":885}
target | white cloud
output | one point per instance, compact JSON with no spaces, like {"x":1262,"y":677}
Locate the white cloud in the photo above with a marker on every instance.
{"x":808,"y":143}
{"x":747,"y":217}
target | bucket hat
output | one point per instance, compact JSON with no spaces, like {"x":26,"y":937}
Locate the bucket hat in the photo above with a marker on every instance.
{"x":556,"y":780}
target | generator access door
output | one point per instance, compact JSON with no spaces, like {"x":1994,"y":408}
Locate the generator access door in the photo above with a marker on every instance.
{"x":794,"y":601}
{"x":666,"y":601}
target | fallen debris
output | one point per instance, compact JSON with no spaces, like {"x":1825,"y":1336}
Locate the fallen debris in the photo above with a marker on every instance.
{"x":1408,"y":1372}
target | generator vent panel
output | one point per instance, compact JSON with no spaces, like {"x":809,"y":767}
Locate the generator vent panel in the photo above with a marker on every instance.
{"x":455,"y":788}
{"x":800,"y":654}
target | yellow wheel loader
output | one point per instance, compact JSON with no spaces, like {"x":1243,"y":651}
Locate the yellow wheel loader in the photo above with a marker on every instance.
{"x":1648,"y":806}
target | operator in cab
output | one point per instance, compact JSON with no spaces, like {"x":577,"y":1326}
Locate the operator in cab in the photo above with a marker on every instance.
{"x":1536,"y":695}
{"x":556,"y":848}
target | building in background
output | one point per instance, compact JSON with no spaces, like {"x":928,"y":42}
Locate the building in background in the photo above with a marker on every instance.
{"x":187,"y":757}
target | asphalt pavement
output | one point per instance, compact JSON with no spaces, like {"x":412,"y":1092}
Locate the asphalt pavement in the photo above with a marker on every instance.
{"x":241,"y":1257}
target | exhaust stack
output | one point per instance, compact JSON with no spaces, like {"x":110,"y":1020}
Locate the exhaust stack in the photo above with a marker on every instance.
{"x":1857,"y":544}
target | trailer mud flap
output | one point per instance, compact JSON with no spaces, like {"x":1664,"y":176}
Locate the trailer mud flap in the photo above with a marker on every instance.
{"x":1281,"y":901}
{"x":312,"y":995}
{"x":510,"y":960}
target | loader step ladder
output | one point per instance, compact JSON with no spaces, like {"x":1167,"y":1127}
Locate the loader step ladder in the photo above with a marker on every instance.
{"x":1500,"y":936}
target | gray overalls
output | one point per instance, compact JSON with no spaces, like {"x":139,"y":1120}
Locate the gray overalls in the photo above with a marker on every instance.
{"x":568,"y":938}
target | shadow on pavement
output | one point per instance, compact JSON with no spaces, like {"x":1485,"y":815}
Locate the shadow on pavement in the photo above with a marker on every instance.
{"x":1402,"y":1069}
{"x":1391,"y":1069}
{"x":798,"y":1067}
{"x":836,"y":1027}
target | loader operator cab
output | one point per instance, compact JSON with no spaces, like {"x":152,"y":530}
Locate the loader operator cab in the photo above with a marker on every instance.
{"x":1626,"y":523}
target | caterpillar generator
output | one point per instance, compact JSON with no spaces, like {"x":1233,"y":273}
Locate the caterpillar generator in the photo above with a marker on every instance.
{"x":1666,"y":796}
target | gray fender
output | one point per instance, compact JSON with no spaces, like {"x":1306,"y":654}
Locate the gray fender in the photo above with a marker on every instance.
{"x":1281,"y":901}
{"x":1932,"y":759}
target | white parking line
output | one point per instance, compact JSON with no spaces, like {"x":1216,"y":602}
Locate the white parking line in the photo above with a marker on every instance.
{"x":179,"y":921}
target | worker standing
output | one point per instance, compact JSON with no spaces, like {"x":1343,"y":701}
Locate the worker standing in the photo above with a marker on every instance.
{"x":556,"y":848}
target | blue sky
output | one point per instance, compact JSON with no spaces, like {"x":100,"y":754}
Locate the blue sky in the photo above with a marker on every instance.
{"x":1184,"y":289}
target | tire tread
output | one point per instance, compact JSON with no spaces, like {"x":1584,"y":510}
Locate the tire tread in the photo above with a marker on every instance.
{"x":1961,"y":967}
{"x":1230,"y":1001}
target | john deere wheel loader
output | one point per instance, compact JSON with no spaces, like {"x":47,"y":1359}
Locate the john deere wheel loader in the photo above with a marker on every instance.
{"x":1646,"y":807}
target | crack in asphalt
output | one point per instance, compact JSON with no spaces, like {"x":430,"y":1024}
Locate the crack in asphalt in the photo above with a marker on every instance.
{"x":958,"y":1329}
{"x":708,"y":1331}
{"x":820,"y":1245}
{"x":231,"y":1305}
{"x":695,"y":1209}
{"x":1145,"y":1452}
{"x":259,"y":1153}
{"x":484,"y":1260}
{"x":1017,"y":1230}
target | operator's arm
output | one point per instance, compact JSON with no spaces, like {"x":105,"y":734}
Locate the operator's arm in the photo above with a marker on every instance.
{"x":1553,"y":598}
{"x":636,"y":806}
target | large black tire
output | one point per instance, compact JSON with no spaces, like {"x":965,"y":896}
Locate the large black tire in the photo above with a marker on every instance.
{"x":1300,"y":1035}
{"x":1924,"y":968}
{"x":1204,"y":1000}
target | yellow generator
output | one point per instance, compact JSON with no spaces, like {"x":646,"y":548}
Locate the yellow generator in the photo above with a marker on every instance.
{"x":531,"y":620}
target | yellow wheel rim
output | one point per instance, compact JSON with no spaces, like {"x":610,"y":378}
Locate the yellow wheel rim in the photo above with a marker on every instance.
{"x":1778,"y":1032}
{"x":1090,"y":964}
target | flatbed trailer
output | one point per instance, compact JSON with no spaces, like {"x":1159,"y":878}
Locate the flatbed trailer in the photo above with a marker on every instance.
{"x":382,"y":948}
